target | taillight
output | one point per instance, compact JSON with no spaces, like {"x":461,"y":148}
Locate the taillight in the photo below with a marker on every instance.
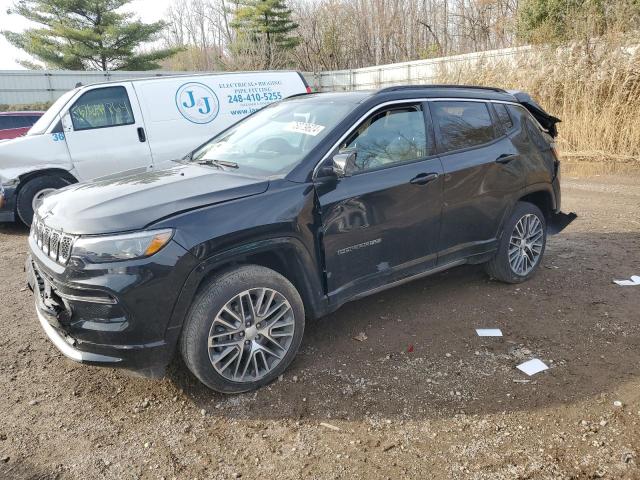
{"x":309,"y":89}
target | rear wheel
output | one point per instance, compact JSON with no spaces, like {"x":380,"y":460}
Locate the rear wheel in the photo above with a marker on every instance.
{"x":521,"y":247}
{"x":31,"y":194}
{"x":243,"y":330}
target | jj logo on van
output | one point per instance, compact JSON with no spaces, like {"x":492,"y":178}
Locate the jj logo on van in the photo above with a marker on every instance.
{"x":197,"y":102}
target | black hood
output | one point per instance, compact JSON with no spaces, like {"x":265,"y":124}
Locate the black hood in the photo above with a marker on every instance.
{"x":131,"y":202}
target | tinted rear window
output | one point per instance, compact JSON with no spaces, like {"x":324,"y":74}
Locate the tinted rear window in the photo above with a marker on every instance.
{"x":17,"y":121}
{"x":503,"y":116}
{"x":463,"y":124}
{"x":6,"y":123}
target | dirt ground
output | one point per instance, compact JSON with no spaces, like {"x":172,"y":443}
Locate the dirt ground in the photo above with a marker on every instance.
{"x":421,"y":397}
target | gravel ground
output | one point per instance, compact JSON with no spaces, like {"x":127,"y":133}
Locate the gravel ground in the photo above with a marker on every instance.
{"x":421,"y":397}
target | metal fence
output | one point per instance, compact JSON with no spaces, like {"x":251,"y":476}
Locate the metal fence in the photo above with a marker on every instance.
{"x":36,"y":86}
{"x":21,"y":87}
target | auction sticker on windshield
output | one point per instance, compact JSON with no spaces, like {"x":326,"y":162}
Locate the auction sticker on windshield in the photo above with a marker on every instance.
{"x":304,"y":127}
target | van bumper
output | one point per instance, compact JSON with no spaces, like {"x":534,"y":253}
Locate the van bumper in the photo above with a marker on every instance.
{"x":7,"y":204}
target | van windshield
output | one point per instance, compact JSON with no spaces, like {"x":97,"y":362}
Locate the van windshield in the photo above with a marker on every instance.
{"x":50,"y":115}
{"x":274,"y":140}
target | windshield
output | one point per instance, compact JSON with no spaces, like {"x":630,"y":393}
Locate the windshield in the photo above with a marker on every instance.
{"x":49,"y":116}
{"x":274,"y":140}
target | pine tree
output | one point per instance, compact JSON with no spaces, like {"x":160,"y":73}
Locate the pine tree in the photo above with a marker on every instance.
{"x":86,"y":35}
{"x":265,"y":26}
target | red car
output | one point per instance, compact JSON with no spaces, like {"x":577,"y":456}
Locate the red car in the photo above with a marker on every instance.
{"x":16,"y":124}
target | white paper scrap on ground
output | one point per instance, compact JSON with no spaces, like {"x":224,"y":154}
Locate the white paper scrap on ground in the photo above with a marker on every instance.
{"x":532,"y":367}
{"x":489,"y":332}
{"x":635,"y":280}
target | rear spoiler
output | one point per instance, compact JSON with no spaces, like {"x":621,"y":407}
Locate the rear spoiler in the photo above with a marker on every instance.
{"x":546,"y":121}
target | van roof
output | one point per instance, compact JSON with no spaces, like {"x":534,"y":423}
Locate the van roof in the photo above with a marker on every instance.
{"x":203,"y":74}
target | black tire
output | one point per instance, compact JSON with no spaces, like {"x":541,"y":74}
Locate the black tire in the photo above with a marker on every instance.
{"x":499,"y":267}
{"x":27,"y":192}
{"x":210,"y":300}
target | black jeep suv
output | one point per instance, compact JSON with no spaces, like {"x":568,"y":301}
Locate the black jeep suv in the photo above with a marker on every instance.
{"x":305,"y":205}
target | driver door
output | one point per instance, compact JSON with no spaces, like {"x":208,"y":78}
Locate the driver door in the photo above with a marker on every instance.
{"x":105,"y":133}
{"x":382,"y":223}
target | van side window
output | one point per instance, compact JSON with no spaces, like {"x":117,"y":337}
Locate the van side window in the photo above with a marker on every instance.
{"x":391,"y":136}
{"x":102,"y":107}
{"x":503,"y":116}
{"x":462,"y":124}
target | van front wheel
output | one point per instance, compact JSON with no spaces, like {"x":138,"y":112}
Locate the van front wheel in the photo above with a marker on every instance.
{"x":31,"y":194}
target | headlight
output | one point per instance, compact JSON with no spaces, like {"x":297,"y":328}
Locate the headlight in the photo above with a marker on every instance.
{"x":115,"y":248}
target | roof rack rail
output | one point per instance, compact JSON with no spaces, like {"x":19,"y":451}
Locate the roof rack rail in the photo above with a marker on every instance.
{"x":419,"y":87}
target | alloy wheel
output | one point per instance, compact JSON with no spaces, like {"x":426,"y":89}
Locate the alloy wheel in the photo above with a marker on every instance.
{"x":526,"y":244}
{"x":251,"y":334}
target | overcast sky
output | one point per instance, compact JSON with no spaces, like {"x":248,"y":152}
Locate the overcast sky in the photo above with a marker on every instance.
{"x":147,"y":10}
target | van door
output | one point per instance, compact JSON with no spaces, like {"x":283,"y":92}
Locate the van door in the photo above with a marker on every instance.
{"x":105,"y":132}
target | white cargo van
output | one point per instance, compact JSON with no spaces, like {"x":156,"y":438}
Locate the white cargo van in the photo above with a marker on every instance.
{"x":101,"y":129}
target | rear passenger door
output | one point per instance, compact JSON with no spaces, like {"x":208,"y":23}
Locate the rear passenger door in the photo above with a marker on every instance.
{"x":482,"y":176}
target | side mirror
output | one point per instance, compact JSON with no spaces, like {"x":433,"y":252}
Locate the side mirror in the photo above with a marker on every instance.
{"x":344,"y":164}
{"x":67,"y":124}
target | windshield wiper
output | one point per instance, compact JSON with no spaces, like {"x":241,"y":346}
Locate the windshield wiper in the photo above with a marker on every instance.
{"x":219,"y":163}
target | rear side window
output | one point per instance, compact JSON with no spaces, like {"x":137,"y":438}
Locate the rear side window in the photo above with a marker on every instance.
{"x":16,"y":121}
{"x":102,"y":107}
{"x":6,"y":123}
{"x":503,"y":116}
{"x":32,"y":120}
{"x":463,"y":124}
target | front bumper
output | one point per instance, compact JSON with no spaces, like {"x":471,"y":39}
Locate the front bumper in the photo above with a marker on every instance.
{"x":114,"y":317}
{"x":7,"y":203}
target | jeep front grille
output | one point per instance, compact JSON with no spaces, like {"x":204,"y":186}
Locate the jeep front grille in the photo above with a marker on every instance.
{"x":54,"y":243}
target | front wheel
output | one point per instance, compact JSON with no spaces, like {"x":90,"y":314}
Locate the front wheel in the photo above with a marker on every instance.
{"x":521,"y":247}
{"x":243,"y":330}
{"x":31,"y":194}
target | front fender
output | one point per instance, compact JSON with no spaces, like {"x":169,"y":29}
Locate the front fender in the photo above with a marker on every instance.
{"x":300,"y":266}
{"x":28,"y":154}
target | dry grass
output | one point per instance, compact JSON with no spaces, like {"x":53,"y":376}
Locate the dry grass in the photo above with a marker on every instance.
{"x":594,"y":89}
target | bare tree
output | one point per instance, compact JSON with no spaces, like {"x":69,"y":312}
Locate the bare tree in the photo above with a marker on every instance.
{"x":337,"y":34}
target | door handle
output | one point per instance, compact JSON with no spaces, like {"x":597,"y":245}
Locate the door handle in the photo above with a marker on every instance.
{"x":423,"y":178}
{"x":506,"y":158}
{"x":141,"y":135}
